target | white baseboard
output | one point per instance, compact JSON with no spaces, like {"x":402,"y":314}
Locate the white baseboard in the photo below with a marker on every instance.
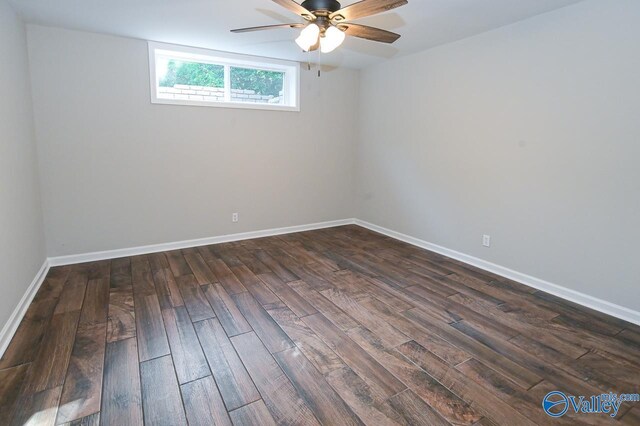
{"x":11,"y":326}
{"x":537,"y":283}
{"x":600,"y":305}
{"x":155,"y":248}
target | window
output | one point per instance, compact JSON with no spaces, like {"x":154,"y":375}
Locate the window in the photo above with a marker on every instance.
{"x":189,"y":76}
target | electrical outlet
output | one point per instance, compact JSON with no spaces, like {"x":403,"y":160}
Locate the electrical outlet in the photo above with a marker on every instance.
{"x":234,"y":217}
{"x":486,"y":240}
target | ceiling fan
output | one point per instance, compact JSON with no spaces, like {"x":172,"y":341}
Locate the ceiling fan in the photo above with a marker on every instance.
{"x":328,"y":22}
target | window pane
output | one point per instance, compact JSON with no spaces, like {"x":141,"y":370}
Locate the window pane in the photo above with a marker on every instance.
{"x":190,"y":76}
{"x":190,"y":80}
{"x":257,"y":86}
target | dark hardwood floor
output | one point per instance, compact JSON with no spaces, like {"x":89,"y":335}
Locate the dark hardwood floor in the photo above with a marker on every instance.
{"x":336,"y":326}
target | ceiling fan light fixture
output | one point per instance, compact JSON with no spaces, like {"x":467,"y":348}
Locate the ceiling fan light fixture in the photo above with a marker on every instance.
{"x":329,"y":22}
{"x":308,"y":37}
{"x":333,"y":37}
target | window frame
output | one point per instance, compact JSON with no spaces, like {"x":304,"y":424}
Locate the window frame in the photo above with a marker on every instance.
{"x":291,"y":70}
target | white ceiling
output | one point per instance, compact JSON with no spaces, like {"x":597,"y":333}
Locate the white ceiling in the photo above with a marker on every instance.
{"x":206,"y":23}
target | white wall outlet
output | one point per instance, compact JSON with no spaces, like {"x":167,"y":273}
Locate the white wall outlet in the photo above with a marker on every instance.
{"x":234,"y":217}
{"x":486,"y":240}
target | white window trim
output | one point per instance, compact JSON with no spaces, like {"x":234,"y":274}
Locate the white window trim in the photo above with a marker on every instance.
{"x":291,"y":69}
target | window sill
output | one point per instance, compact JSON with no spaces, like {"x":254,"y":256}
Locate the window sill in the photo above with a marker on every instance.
{"x":233,"y":105}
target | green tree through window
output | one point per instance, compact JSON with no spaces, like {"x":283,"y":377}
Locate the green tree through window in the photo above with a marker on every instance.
{"x":261,"y":81}
{"x":193,"y":74}
{"x":210,"y":75}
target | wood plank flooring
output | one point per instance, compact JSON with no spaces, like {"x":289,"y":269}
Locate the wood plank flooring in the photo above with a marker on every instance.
{"x":339,"y":326}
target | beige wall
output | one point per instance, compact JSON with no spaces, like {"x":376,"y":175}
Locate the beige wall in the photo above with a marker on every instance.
{"x":119,"y":172}
{"x":22,"y":248}
{"x":529,"y":133}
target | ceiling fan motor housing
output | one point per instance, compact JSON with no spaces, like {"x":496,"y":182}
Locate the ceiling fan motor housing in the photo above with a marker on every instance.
{"x":321,"y":5}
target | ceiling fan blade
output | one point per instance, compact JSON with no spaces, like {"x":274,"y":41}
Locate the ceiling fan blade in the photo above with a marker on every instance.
{"x":296,"y":8}
{"x":369,"y":33}
{"x":365,"y":8}
{"x":267,"y":27}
